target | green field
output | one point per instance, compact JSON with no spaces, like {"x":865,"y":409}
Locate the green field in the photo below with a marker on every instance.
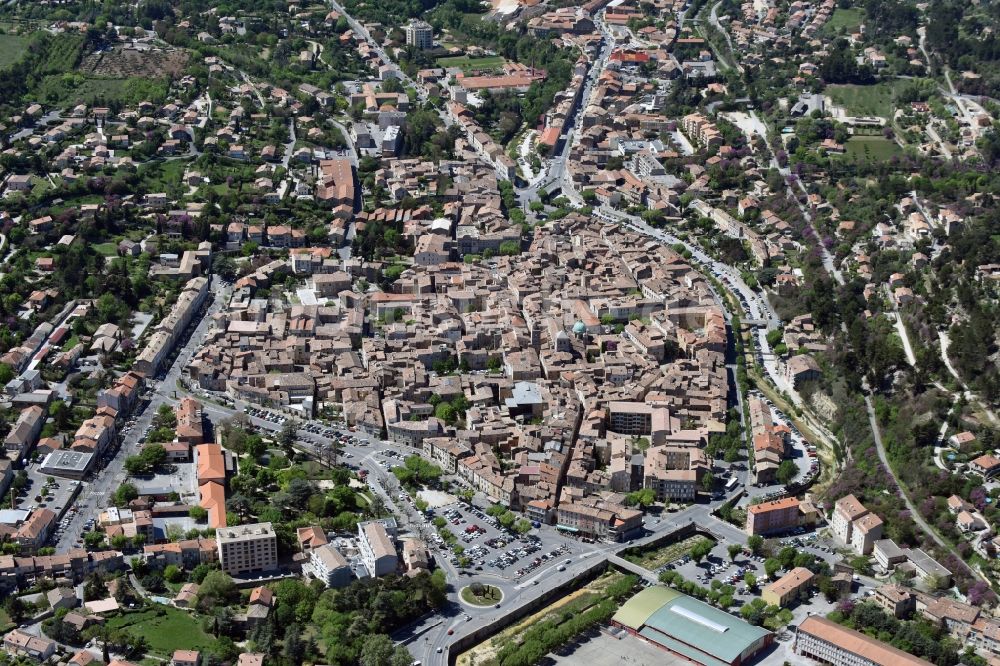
{"x":876,"y":147}
{"x":850,"y":19}
{"x":107,"y":249}
{"x":873,"y":100}
{"x":467,"y":63}
{"x":166,"y":629}
{"x":12,"y":47}
{"x":78,"y":89}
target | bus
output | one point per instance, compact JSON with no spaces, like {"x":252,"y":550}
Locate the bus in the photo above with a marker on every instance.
{"x":731,"y":484}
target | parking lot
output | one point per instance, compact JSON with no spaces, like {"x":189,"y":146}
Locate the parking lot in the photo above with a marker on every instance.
{"x":493,"y":549}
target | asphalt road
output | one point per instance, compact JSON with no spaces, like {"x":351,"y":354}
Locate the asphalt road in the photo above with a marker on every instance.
{"x":96,"y":493}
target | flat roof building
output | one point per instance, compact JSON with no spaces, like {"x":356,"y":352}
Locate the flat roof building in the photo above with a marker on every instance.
{"x":247,"y":548}
{"x":68,"y":464}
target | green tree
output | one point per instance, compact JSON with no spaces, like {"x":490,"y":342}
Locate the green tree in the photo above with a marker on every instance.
{"x":787,"y":471}
{"x":734,"y":549}
{"x":701,"y":549}
{"x":125,"y":494}
{"x":756,"y":543}
{"x":771,"y":566}
{"x":376,"y":650}
{"x":217,"y":588}
{"x":644,"y":497}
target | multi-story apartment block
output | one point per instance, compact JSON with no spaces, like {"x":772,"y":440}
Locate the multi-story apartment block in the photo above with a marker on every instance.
{"x":330,"y":566}
{"x":829,"y":643}
{"x":247,"y":548}
{"x":378,"y":552}
{"x":779,"y":516}
{"x":419,"y":34}
{"x":674,"y":472}
{"x":855,"y":526}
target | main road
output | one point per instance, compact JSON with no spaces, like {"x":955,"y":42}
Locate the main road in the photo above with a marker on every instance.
{"x":96,"y":493}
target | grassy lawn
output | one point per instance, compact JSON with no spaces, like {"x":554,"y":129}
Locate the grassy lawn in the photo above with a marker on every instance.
{"x":845,"y":18}
{"x":5,"y":622}
{"x":467,"y":63}
{"x":876,"y":147}
{"x":107,"y":249}
{"x":166,"y":629}
{"x":158,"y":177}
{"x":873,"y":100}
{"x":40,"y":185}
{"x":656,"y":558}
{"x":12,"y":47}
{"x":71,"y":342}
{"x":491,"y":595}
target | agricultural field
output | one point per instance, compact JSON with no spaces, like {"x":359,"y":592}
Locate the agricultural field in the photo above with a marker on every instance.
{"x":875,"y":147}
{"x":873,"y":100}
{"x":123,"y":63}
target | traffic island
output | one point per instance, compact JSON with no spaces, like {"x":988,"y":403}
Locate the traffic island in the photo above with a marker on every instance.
{"x":479,"y":594}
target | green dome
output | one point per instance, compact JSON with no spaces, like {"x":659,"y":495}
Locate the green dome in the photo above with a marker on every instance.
{"x":579,"y":328}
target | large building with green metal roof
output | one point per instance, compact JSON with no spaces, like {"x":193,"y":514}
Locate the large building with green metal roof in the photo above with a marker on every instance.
{"x":690,"y":628}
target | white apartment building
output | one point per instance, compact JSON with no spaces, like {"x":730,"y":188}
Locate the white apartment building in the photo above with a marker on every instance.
{"x":419,"y":34}
{"x":247,"y":548}
{"x":378,"y":552}
{"x":330,"y":566}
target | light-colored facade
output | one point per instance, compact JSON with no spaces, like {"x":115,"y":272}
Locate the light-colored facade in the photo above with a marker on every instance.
{"x":329,"y":566}
{"x":829,"y":643}
{"x":420,"y":34}
{"x":247,"y":548}
{"x":378,"y":553}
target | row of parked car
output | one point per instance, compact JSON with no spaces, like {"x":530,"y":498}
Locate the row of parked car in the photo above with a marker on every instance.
{"x":265,"y":415}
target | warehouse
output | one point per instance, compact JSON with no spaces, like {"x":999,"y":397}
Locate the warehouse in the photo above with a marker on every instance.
{"x":690,"y":628}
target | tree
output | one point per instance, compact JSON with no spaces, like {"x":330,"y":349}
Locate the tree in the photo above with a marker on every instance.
{"x":376,"y":650}
{"x":199,"y":572}
{"x":287,"y":435}
{"x":734,"y":549}
{"x":701,"y":549}
{"x":125,"y":494}
{"x":217,"y":588}
{"x":771,"y":566}
{"x":644,"y":497}
{"x":172,"y":573}
{"x":708,"y":481}
{"x":787,"y":471}
{"x":198,"y":513}
{"x":522,"y":526}
{"x":756,"y":543}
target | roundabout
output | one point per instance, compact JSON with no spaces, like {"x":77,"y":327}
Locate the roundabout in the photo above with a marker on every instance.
{"x":481,"y":595}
